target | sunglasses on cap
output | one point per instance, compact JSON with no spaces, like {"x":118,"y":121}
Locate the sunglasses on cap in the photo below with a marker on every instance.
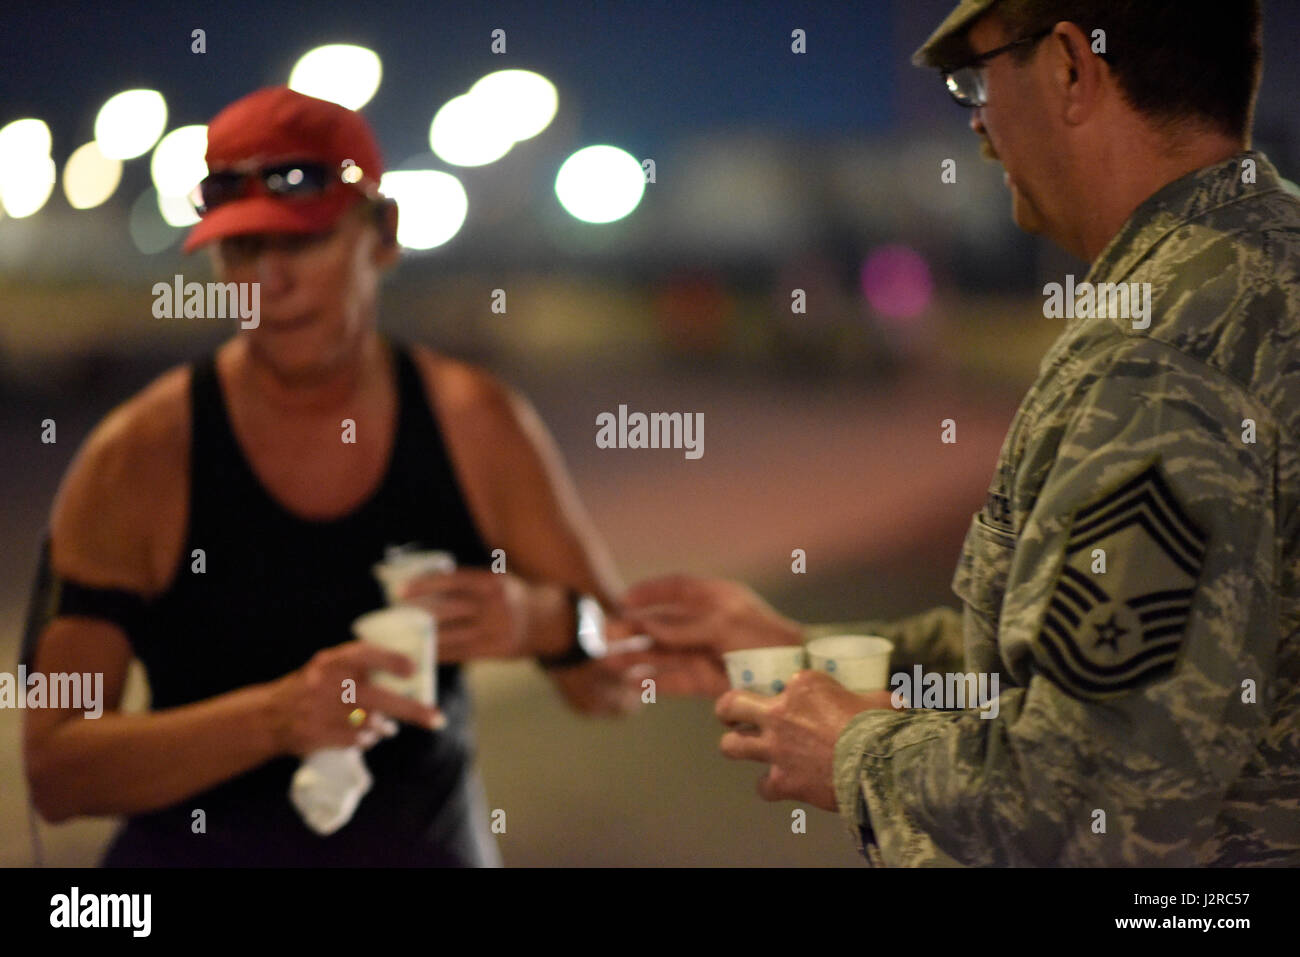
{"x":304,"y":179}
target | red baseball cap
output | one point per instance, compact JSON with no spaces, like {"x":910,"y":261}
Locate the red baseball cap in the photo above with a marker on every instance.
{"x":277,"y":124}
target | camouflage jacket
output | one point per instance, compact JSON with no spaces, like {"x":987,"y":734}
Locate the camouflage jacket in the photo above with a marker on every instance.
{"x":1133,"y":578}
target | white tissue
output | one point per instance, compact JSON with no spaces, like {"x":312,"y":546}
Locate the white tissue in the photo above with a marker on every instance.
{"x":328,"y":786}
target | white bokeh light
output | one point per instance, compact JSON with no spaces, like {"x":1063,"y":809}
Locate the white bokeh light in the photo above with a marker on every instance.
{"x":431,"y":206}
{"x":464,"y":133}
{"x":339,"y":72}
{"x":27,"y":173}
{"x":523,"y":101}
{"x":23,"y":139}
{"x":130,"y":123}
{"x":600,"y":184}
{"x":177,"y":210}
{"x":26,"y":183}
{"x":90,"y":177}
{"x":178,"y":164}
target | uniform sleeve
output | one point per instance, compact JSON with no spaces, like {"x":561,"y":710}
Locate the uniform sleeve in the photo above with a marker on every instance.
{"x":1140,"y":608}
{"x":932,"y":639}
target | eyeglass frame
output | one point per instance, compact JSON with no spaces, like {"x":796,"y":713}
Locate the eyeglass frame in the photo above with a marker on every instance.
{"x":977,"y":63}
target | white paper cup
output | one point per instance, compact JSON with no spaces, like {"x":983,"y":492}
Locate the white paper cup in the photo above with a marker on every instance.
{"x":411,"y":632}
{"x":396,"y":570}
{"x":764,"y":670}
{"x":859,"y":662}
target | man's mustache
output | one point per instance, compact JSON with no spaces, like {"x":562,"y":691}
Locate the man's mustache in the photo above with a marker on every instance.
{"x":987,"y":150}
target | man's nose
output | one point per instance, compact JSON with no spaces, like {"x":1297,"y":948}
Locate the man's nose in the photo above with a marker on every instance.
{"x":977,"y":120}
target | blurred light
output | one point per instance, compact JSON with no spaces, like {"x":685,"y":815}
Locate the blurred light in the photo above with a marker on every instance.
{"x":340,"y":72}
{"x":463,"y":133}
{"x":27,"y":173}
{"x":26,"y":184}
{"x":149,"y":231}
{"x":129,"y":123}
{"x":90,"y":177}
{"x":24,"y":138}
{"x":425,"y":160}
{"x":599,"y":184}
{"x":431,"y":206}
{"x":177,"y":210}
{"x":896,"y":281}
{"x":178,"y":163}
{"x":523,"y":101}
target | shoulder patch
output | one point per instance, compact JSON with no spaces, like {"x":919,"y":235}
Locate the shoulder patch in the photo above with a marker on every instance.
{"x":1107,"y":633}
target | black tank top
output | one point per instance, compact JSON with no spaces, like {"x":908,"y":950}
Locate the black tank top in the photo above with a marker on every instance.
{"x":277,"y":588}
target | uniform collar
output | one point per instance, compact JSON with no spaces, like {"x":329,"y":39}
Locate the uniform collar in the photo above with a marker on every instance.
{"x":1185,"y":199}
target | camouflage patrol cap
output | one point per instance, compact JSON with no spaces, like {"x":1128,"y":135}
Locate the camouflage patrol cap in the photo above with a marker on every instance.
{"x":938,"y":50}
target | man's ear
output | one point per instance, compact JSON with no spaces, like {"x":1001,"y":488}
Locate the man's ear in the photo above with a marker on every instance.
{"x":1079,"y":73}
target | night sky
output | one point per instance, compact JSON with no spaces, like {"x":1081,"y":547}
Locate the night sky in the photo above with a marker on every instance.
{"x":643,"y":73}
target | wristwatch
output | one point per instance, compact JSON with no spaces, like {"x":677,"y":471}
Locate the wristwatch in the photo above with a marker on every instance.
{"x":589,"y":639}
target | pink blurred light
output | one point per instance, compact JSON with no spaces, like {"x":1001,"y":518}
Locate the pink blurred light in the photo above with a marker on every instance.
{"x":897,"y":283}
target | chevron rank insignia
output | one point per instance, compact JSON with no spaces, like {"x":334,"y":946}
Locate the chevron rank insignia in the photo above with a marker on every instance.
{"x":1108,"y":632}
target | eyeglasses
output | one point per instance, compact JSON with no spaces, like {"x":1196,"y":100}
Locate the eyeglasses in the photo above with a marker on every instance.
{"x":966,"y":82}
{"x":305,"y":179}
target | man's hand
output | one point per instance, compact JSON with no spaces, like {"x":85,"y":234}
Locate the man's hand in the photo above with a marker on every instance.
{"x":689,"y":673}
{"x":611,"y":685}
{"x":309,"y":712}
{"x":483,"y":614}
{"x":692,"y":622}
{"x":796,"y":734}
{"x":681,"y":612}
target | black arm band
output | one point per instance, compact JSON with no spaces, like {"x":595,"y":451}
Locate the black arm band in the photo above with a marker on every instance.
{"x":122,"y":608}
{"x":53,"y":595}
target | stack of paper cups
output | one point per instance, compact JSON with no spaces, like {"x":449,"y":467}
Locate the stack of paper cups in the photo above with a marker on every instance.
{"x":404,"y":626}
{"x":411,"y":632}
{"x":400,"y":567}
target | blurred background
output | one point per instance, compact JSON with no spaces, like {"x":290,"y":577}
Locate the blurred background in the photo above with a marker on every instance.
{"x":657,"y":271}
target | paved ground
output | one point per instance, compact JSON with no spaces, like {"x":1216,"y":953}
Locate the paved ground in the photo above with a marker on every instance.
{"x":853,"y":474}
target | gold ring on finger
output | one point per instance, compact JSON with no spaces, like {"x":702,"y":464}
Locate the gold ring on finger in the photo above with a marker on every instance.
{"x":357,"y":717}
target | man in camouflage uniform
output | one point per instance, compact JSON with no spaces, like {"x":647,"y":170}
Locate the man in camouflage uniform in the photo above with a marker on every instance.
{"x":1134,"y":575}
